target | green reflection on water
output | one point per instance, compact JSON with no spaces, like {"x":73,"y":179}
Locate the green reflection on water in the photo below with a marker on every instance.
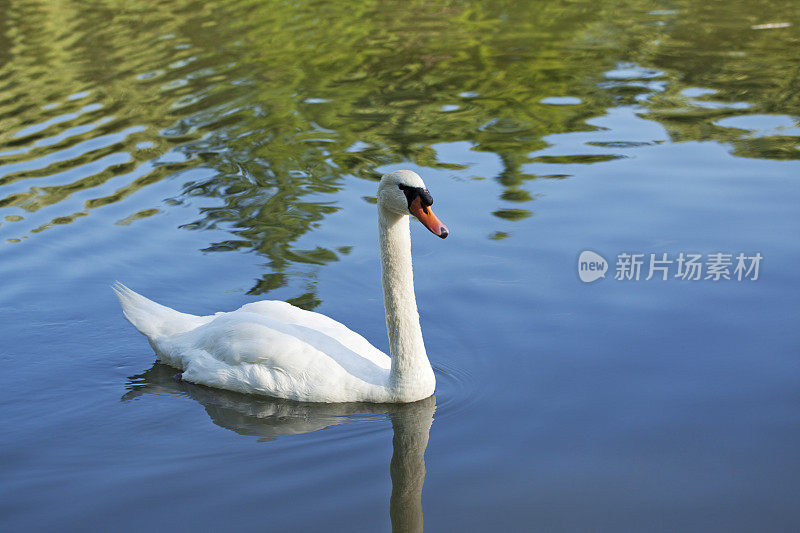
{"x":279,"y":101}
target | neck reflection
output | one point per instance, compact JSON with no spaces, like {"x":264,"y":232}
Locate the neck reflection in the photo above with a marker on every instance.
{"x":270,"y":418}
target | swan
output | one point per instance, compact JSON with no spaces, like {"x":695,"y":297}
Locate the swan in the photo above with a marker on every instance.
{"x":273,"y":348}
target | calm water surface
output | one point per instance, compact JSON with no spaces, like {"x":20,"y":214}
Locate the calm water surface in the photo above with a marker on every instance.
{"x":209,"y":154}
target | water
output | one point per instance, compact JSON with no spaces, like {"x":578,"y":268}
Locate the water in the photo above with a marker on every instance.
{"x":209,"y":154}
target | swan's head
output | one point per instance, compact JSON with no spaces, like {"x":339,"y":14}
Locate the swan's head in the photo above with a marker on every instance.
{"x":403,"y":192}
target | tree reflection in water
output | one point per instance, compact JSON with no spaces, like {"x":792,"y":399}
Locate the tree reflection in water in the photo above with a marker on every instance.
{"x":264,"y":109}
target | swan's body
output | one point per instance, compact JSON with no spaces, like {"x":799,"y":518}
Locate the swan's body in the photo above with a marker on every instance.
{"x":276,"y":349}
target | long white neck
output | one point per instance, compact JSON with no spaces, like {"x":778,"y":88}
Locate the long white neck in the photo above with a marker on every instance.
{"x":411,"y":377}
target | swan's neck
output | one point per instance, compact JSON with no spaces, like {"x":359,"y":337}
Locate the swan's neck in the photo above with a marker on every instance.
{"x":411,"y":376}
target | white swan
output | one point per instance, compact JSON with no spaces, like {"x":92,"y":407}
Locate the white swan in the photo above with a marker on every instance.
{"x":276,"y":349}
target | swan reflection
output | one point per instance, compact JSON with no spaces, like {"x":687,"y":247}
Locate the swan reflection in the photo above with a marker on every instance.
{"x":270,"y":418}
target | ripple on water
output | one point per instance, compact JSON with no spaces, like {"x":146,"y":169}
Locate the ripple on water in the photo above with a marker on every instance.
{"x":561,"y":100}
{"x":456,"y":389}
{"x":763,"y":125}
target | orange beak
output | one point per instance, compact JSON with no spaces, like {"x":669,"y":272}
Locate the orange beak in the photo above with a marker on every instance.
{"x":424,"y":214}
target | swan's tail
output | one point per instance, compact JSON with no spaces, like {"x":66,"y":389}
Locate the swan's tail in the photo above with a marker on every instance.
{"x":151,"y":319}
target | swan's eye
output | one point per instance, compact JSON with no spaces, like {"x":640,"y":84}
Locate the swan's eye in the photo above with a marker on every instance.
{"x":426,"y":197}
{"x":413,"y":192}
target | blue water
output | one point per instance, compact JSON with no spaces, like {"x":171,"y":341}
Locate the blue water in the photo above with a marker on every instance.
{"x":208,"y":169}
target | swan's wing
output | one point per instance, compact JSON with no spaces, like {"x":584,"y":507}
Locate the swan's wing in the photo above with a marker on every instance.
{"x":254,"y":353}
{"x":289,"y":314}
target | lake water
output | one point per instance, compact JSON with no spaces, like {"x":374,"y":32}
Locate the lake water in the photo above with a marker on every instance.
{"x":210,"y":154}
